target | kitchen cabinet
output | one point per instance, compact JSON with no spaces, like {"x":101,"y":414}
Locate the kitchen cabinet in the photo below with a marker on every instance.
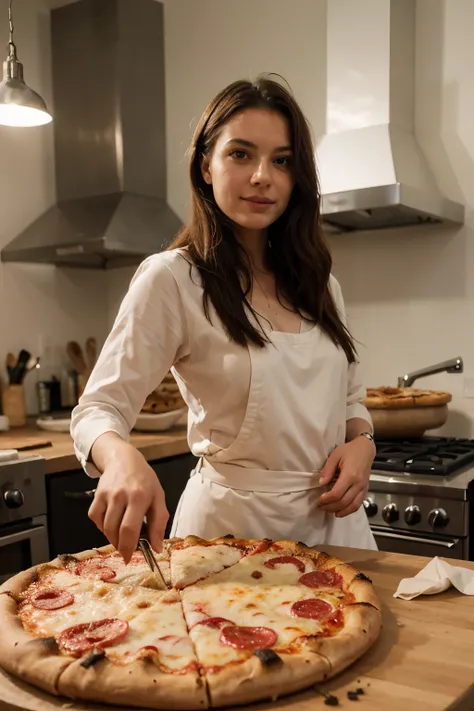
{"x":69,"y":527}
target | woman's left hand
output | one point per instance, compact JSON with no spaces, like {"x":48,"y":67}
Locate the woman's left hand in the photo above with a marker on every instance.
{"x":350,"y":463}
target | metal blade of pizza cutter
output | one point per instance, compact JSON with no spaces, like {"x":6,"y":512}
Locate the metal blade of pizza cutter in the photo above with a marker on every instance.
{"x":146,"y":549}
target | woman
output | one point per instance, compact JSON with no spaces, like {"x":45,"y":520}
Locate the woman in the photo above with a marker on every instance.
{"x":244,"y":310}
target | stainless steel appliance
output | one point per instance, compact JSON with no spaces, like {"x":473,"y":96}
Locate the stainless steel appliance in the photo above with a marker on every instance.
{"x":23,"y":523}
{"x":421,"y":496}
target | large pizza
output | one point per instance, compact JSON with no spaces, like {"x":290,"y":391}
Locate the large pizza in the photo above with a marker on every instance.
{"x":242,"y":620}
{"x":402,"y":398}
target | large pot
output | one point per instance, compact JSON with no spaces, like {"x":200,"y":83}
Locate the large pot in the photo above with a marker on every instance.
{"x":407,"y":416}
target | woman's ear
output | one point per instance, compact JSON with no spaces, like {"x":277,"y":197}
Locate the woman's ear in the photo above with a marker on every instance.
{"x":206,"y":169}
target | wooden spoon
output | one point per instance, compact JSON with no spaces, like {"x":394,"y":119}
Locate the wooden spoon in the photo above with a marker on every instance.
{"x":91,"y":353}
{"x":76,"y":355}
{"x":10,"y":362}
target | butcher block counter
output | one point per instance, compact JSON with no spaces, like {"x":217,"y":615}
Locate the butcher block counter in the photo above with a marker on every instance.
{"x":60,"y":455}
{"x":422,"y":661}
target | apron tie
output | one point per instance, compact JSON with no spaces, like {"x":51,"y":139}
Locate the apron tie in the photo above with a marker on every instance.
{"x":234,"y":476}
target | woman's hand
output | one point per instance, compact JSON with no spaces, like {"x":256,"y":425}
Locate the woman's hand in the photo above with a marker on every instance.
{"x":349,"y":465}
{"x":128,"y":490}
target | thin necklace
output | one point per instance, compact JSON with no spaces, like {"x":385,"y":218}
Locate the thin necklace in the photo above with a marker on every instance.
{"x":269,"y":305}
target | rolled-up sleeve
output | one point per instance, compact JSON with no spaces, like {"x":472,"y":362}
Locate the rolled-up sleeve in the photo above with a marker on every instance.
{"x":149,"y":335}
{"x":356,"y":391}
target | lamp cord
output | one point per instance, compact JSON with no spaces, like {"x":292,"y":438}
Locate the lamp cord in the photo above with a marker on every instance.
{"x":11,"y":28}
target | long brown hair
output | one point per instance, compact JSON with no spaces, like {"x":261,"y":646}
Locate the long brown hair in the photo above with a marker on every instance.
{"x":296,"y":253}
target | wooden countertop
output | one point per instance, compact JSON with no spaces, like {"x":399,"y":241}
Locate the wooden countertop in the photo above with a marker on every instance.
{"x":422,"y":661}
{"x":60,"y":455}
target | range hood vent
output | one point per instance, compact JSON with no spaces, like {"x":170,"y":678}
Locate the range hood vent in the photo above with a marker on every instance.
{"x":109,"y":139}
{"x":373,"y":173}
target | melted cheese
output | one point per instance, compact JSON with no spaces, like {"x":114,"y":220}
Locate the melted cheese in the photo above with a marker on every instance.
{"x":93,"y":600}
{"x":161,"y":626}
{"x":247,"y":605}
{"x":189,"y":565}
{"x":284,"y":574}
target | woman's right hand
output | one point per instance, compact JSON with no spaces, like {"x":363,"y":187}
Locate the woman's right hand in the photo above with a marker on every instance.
{"x":128,"y":490}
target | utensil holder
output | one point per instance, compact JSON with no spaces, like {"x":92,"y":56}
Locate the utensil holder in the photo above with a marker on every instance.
{"x":14,"y":404}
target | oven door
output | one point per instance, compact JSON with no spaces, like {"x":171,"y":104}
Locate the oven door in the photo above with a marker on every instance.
{"x":420,"y":544}
{"x":23,"y":545}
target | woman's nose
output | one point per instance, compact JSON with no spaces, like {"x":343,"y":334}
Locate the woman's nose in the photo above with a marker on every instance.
{"x":261,"y":176}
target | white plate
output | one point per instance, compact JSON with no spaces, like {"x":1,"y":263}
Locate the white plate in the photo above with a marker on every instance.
{"x":51,"y":425}
{"x":148,"y":422}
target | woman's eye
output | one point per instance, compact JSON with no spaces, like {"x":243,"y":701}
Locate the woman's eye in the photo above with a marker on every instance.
{"x":283,"y":160}
{"x":240,"y":155}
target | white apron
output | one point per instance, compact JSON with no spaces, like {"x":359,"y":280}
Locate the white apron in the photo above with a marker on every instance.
{"x":223,"y":497}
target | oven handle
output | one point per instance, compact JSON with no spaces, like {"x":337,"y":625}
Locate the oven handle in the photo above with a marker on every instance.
{"x":21,"y":536}
{"x":416,"y":539}
{"x":79,"y":494}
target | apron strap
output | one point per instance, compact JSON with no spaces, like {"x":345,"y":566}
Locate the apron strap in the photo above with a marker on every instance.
{"x":235,"y":477}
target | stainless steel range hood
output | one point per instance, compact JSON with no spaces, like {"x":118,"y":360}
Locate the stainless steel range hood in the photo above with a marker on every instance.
{"x":373,"y":173}
{"x":109,"y":137}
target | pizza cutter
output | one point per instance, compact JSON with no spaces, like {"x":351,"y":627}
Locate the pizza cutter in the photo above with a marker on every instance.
{"x":146,"y":549}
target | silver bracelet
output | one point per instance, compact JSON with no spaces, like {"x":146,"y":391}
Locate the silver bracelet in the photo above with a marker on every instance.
{"x":368,"y":435}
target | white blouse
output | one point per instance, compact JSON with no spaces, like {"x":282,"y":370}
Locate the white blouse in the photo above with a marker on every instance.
{"x":161,"y":324}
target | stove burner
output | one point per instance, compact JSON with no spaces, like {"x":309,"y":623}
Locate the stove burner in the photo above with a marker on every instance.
{"x":438,"y":456}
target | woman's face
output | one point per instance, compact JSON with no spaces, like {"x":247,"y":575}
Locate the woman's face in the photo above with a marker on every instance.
{"x":250,"y":168}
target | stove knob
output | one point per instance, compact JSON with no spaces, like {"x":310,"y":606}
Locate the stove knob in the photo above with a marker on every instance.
{"x":390,"y":513}
{"x":370,"y":507}
{"x":438,"y":518}
{"x":412,"y":515}
{"x":14,"y":498}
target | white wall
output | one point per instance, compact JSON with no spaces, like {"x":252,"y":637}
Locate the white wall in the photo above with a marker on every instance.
{"x":38,"y":300}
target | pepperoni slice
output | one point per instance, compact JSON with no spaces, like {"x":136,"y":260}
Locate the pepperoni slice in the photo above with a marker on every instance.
{"x":285,"y":559}
{"x":92,"y":635}
{"x":321,"y":579}
{"x":95,"y":569}
{"x":311,"y":609}
{"x":215,"y":622}
{"x":52,"y":599}
{"x":248,"y":637}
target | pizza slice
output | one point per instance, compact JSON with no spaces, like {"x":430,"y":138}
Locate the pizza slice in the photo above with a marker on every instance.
{"x":194,"y":558}
{"x":108,"y":565}
{"x":38,"y":605}
{"x":151,"y":662}
{"x":269,"y":625}
{"x":75,"y":634}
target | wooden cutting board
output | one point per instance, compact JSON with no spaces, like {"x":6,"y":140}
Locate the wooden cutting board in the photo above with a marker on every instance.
{"x":9,"y":441}
{"x":422,"y":661}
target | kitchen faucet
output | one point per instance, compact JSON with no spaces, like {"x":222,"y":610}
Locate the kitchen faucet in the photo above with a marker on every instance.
{"x":455,"y":365}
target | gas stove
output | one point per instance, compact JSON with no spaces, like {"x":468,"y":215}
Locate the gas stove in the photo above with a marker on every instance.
{"x":438,"y":456}
{"x":421,"y":496}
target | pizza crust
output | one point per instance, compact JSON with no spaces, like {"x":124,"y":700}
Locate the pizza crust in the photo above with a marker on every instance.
{"x":139,"y":683}
{"x":252,"y":681}
{"x":354,"y":581}
{"x":362,"y":624}
{"x":30,"y":658}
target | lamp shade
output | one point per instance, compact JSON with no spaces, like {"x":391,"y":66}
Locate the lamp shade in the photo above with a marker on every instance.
{"x":20,"y":105}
